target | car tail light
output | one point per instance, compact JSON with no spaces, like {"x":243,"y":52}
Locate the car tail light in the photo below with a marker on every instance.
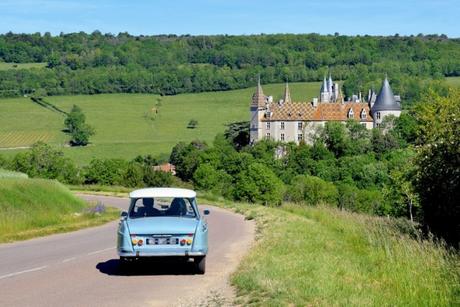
{"x":182,"y":242}
{"x":189,"y":242}
{"x":140,"y":242}
{"x":134,"y":241}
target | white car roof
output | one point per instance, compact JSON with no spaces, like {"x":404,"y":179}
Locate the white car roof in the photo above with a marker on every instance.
{"x":162,"y":192}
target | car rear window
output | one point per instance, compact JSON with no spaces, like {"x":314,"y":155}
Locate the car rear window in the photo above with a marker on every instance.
{"x":160,"y":207}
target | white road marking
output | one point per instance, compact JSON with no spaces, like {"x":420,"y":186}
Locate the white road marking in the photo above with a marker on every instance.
{"x":68,"y":259}
{"x":22,"y":272}
{"x":100,"y":251}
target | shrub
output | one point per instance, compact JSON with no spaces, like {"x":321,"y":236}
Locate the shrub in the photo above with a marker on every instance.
{"x":312,"y":190}
{"x":105,"y":171}
{"x":45,"y":162}
{"x":258,"y":184}
{"x":208,"y":178}
{"x":133,"y":175}
{"x":157,"y":178}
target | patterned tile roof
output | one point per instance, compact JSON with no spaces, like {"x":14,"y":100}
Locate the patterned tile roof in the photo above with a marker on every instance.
{"x":305,"y":111}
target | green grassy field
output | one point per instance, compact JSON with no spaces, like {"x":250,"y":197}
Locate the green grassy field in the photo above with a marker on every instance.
{"x":6,"y":66}
{"x":313,"y":256}
{"x":10,"y":174}
{"x":123,"y":123}
{"x":37,"y":207}
{"x":453,"y":81}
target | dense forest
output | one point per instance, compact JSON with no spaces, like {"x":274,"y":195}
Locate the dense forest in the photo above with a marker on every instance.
{"x":80,"y":63}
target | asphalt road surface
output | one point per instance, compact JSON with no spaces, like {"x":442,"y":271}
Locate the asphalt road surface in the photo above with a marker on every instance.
{"x":81,"y":268}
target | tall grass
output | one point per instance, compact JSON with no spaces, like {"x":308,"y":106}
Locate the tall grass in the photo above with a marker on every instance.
{"x":321,"y":256}
{"x":10,"y":174}
{"x":33,"y":207}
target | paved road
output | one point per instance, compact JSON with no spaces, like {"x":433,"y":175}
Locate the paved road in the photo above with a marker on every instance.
{"x":81,"y":268}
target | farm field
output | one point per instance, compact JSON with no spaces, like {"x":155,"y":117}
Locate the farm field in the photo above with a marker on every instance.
{"x":123,"y":122}
{"x":455,"y":81}
{"x":6,"y":66}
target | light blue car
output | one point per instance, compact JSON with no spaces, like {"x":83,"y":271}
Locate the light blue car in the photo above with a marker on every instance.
{"x":163,"y":222}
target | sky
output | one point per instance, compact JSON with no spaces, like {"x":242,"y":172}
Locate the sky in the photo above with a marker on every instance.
{"x":195,"y":17}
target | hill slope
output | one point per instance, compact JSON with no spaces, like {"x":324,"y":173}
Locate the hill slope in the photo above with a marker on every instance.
{"x":313,"y":256}
{"x":127,"y":125}
{"x":35,"y":207}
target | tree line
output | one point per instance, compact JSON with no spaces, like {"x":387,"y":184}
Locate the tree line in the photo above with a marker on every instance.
{"x":80,"y":63}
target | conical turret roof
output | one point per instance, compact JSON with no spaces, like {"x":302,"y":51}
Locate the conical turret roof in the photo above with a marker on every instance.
{"x":258,"y":99}
{"x":324,"y":85}
{"x":287,"y":94}
{"x":385,"y":99}
{"x":329,"y":83}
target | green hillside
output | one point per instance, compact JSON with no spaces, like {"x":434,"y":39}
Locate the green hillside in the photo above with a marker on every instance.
{"x":36,"y":207}
{"x":7,"y":66}
{"x":318,"y":256}
{"x":127,"y":126}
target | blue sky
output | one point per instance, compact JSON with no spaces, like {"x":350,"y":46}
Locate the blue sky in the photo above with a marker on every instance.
{"x":383,"y":17}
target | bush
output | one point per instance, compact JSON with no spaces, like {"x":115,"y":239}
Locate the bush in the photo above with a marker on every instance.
{"x":208,"y":178}
{"x":312,"y":190}
{"x":133,"y":175}
{"x":153,"y":178}
{"x":45,"y":162}
{"x":105,"y":171}
{"x":258,"y":184}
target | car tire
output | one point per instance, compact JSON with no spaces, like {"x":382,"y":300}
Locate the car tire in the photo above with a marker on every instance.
{"x":200,"y":264}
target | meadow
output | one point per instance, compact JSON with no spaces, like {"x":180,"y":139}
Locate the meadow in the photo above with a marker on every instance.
{"x":38,"y":207}
{"x":127,"y":125}
{"x":320,"y":256}
{"x":7,"y":66}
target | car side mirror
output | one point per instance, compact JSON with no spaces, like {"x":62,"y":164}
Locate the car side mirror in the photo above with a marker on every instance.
{"x":123,"y":215}
{"x":206,"y":212}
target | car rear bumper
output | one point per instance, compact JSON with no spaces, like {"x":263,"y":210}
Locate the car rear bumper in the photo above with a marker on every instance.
{"x":160,"y":254}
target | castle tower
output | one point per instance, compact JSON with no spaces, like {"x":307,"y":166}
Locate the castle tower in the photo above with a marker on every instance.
{"x":324,"y":95}
{"x":329,"y":84}
{"x":258,"y":108}
{"x":385,"y":104}
{"x":287,"y":94}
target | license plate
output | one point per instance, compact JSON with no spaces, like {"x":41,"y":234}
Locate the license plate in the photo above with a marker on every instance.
{"x":161,"y":241}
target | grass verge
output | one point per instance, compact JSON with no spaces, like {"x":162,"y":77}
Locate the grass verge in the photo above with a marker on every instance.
{"x":36,"y":207}
{"x":321,"y":256}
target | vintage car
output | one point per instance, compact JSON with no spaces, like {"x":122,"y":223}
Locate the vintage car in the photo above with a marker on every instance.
{"x":163,"y":222}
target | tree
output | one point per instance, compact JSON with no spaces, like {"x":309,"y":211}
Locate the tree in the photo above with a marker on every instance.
{"x":335,"y":137}
{"x":438,"y":164}
{"x":258,"y":184}
{"x":77,"y":127}
{"x":238,"y":134}
{"x":192,"y":124}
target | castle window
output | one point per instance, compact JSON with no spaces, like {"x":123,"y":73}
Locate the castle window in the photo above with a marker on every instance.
{"x":363,"y":114}
{"x":268,"y":135}
{"x":350,"y":113}
{"x":299,"y":137}
{"x":299,"y":125}
{"x":282,"y":136}
{"x":282,"y":125}
{"x":268,"y":125}
{"x":378,"y":115}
